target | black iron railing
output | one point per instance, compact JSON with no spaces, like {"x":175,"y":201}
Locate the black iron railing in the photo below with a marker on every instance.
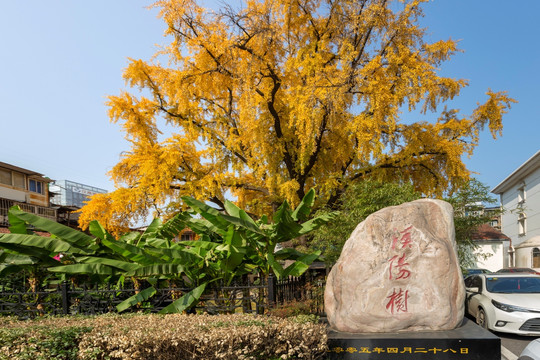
{"x":249,"y":296}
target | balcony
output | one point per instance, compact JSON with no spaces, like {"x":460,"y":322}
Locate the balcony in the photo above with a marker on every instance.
{"x":5,"y":204}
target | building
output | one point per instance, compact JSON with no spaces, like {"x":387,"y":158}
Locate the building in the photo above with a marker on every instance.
{"x":491,"y":248}
{"x":520,"y":198}
{"x":72,"y":194}
{"x":25,"y":188}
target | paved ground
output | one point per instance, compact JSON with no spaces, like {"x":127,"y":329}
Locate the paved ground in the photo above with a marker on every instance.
{"x":513,"y":345}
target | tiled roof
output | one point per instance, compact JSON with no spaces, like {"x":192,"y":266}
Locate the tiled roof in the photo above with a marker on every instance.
{"x":487,"y":232}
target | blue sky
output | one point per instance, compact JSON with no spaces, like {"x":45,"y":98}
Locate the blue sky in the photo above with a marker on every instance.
{"x":61,"y":58}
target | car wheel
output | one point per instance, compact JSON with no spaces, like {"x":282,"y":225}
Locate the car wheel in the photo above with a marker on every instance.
{"x":482,"y":319}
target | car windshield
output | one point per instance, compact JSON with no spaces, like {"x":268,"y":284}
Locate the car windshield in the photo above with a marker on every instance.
{"x":510,"y":285}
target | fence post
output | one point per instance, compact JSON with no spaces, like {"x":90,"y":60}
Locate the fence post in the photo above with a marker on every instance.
{"x":65,"y":297}
{"x":271,"y":290}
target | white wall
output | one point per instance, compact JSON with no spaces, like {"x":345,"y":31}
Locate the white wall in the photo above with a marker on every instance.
{"x":12,"y":194}
{"x":509,"y":200}
{"x":497,"y":257}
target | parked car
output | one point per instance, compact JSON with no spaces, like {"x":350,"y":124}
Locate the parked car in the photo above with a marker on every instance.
{"x":505,"y":302}
{"x":468,"y":272}
{"x":531,"y":351}
{"x":518,"y":270}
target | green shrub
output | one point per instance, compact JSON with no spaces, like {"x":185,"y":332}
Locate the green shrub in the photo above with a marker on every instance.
{"x":163,"y":337}
{"x":41,"y":342}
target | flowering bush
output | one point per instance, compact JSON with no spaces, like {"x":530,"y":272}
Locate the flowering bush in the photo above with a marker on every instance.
{"x":164,"y":337}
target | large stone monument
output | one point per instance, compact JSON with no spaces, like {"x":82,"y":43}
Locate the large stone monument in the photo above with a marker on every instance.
{"x":398,"y":272}
{"x":397,"y":292}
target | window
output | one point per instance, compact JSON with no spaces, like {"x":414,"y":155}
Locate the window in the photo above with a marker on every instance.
{"x":521,"y":194}
{"x":522,"y":224}
{"x":536,"y":258}
{"x":5,"y":177}
{"x":18,"y":180}
{"x":35,"y":186}
{"x":12,"y":178}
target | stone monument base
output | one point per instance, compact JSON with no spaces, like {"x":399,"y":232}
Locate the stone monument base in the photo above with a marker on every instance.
{"x":467,"y":342}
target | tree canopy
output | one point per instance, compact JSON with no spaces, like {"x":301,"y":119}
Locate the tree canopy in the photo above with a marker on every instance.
{"x":265,"y":99}
{"x":363,"y":199}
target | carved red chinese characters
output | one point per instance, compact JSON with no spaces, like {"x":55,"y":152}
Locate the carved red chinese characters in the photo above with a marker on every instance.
{"x":398,"y":272}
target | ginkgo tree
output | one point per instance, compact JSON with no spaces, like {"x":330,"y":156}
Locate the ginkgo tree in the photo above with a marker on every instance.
{"x":261,"y":100}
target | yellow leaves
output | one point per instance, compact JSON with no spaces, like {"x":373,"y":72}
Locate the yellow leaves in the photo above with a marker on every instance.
{"x":138,"y":115}
{"x":271,"y":98}
{"x":492,"y":111}
{"x":440,"y":51}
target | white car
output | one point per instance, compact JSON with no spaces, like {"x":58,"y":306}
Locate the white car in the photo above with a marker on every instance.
{"x":505,"y":302}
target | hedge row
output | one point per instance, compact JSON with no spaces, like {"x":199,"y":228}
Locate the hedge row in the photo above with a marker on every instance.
{"x":163,"y":337}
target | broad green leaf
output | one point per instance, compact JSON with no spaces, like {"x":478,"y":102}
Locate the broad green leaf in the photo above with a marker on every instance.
{"x":158,"y":243}
{"x":17,"y":226}
{"x":98,"y":230}
{"x":303,"y":209}
{"x":135,"y":299}
{"x":18,"y":259}
{"x":152,"y":228}
{"x":51,"y":245}
{"x":42,"y":254}
{"x":234,"y":249}
{"x":177,"y":256}
{"x":203,"y":226}
{"x":317,"y":222}
{"x":174,"y":226}
{"x":301,"y":265}
{"x":295,"y":269}
{"x":119,"y":264}
{"x":131,"y":238}
{"x":185,"y":301}
{"x":157,"y":270}
{"x":263,"y":220}
{"x":98,"y":269}
{"x":208,"y":245}
{"x":285,"y":228}
{"x":65,"y":233}
{"x":6,"y":269}
{"x":276,"y":266}
{"x":288,"y":254}
{"x":208,"y":212}
{"x":130,"y":252}
{"x":245,"y":222}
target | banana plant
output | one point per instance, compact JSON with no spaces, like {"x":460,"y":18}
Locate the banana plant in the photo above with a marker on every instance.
{"x":23,"y":250}
{"x":230,"y":245}
{"x":253,"y":243}
{"x":151,"y":256}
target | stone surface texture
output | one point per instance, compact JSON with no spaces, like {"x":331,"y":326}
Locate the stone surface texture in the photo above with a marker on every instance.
{"x":398,"y":272}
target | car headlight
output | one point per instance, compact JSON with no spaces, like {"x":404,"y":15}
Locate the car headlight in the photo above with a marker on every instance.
{"x":509,"y":308}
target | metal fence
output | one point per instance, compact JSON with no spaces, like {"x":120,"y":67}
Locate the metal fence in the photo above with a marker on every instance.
{"x":6,"y":204}
{"x":250,"y":296}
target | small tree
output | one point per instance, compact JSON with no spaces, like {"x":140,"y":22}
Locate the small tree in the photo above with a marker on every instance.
{"x":469,"y":204}
{"x":368,"y":197}
{"x":354,"y":206}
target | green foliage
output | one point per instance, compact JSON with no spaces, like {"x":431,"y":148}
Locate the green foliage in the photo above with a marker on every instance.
{"x":41,"y":343}
{"x":469,"y":203}
{"x":230,"y":245}
{"x":358,"y":201}
{"x":251,"y":244}
{"x":367,"y":197}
